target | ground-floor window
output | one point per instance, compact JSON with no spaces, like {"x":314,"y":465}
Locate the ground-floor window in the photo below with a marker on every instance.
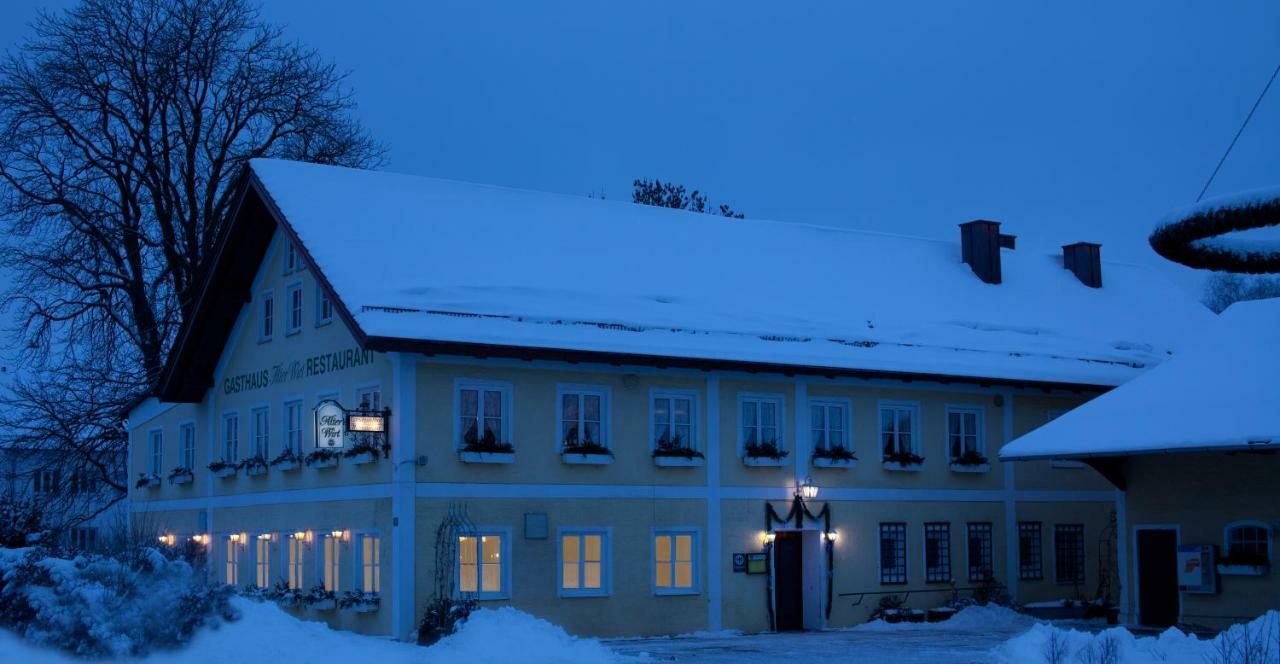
{"x":262,"y":561}
{"x":294,"y":563}
{"x":674,"y":562}
{"x":370,"y":563}
{"x":980,"y":550}
{"x":893,"y":553}
{"x":1068,"y":553}
{"x":1030,"y":556}
{"x":1248,"y":543}
{"x":84,"y":538}
{"x":232,"y":559}
{"x":583,"y":562}
{"x":480,"y":565}
{"x":937,"y":552}
{"x":331,"y":562}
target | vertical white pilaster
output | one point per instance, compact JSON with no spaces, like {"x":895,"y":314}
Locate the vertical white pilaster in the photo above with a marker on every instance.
{"x":800,"y":450}
{"x":1010,"y":508}
{"x":404,"y":407}
{"x":714,"y":561}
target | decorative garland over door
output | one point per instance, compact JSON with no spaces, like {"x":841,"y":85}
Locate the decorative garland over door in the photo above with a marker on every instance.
{"x":796,"y":517}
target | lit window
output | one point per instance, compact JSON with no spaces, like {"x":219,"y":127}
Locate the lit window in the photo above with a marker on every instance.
{"x":331,"y":563}
{"x":231,"y":437}
{"x":937,"y":552}
{"x":267,"y":318}
{"x":582,"y":417}
{"x":893,"y":553}
{"x":261,"y":432}
{"x":294,"y":321}
{"x":964,"y":432}
{"x":761,"y":424}
{"x":370,"y":563}
{"x":1030,"y":556}
{"x":1068,"y":554}
{"x":262,"y":562}
{"x":324,"y":306}
{"x":293,"y":426}
{"x":480,"y":565}
{"x":369,"y":398}
{"x":828,"y":424}
{"x":187,"y":436}
{"x":1248,"y":543}
{"x":673,"y":421}
{"x":980,"y":552}
{"x":232,"y":559}
{"x":675,"y":562}
{"x":155,"y":444}
{"x":583,"y":563}
{"x":898,"y":424}
{"x":482,"y":414}
{"x":295,"y":562}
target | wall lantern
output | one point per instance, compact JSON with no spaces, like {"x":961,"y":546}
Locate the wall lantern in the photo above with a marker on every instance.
{"x":200,"y":539}
{"x":265,"y":537}
{"x":235,"y":537}
{"x":807,"y":489}
{"x":167,"y":540}
{"x":767,"y":537}
{"x":339,"y":534}
{"x":832,"y":536}
{"x":300,"y":535}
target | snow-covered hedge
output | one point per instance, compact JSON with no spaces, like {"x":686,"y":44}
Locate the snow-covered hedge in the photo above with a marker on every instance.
{"x":100,"y":606}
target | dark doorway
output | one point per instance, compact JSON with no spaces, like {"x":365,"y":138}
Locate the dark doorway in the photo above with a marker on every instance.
{"x":1157,"y":577}
{"x":788,"y":581}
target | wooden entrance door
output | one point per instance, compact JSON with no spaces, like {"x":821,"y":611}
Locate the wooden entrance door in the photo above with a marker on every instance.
{"x":1157,"y":577}
{"x":788,"y":581}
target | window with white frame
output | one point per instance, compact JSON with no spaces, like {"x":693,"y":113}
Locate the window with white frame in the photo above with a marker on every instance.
{"x":370,"y":562}
{"x":261,"y":431}
{"x":893,"y":553}
{"x":964,"y":433}
{"x":483,"y":414}
{"x":324,"y":306}
{"x":155,"y":451}
{"x":582,"y":414}
{"x":1051,"y":415}
{"x":980,"y":551}
{"x":1247,"y":543}
{"x":267,"y":316}
{"x":297,"y":547}
{"x":231,"y":560}
{"x":829,"y":425}
{"x":937,"y":552}
{"x":187,"y":445}
{"x":898,"y":431}
{"x":331,"y":561}
{"x":760,"y":429}
{"x":84,"y":538}
{"x":674,"y":421}
{"x":293,"y":426}
{"x":481,"y":565}
{"x":584,"y":562}
{"x":262,"y":561}
{"x":1069,"y":554}
{"x":292,"y":259}
{"x":293,"y":323}
{"x":675,"y":562}
{"x":44,"y":481}
{"x":231,"y":437}
{"x":369,"y":397}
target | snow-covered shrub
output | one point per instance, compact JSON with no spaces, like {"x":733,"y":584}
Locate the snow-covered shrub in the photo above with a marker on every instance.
{"x":21,"y":522}
{"x":444,"y":616}
{"x":99,"y":606}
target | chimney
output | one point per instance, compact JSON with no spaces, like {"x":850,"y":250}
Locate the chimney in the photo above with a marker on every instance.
{"x":980,"y":242}
{"x":1085,"y":260}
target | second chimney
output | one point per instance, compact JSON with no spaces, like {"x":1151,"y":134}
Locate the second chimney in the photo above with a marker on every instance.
{"x":980,"y":243}
{"x":1085,"y":260}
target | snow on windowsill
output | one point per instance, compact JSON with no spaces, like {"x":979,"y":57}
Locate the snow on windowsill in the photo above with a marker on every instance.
{"x":824,"y":462}
{"x":903,"y":467}
{"x":579,"y":459}
{"x":486,"y":457}
{"x":961,"y":468}
{"x":763,"y":462}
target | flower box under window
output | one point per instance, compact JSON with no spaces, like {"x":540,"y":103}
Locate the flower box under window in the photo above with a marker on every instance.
{"x":146,"y":481}
{"x":674,"y":453}
{"x":971,"y":461}
{"x":678,"y":461}
{"x":181,"y":476}
{"x":837,"y":456}
{"x":758,"y":455}
{"x":468,"y":456}
{"x":903,"y":461}
{"x":1239,"y":563}
{"x":319,"y":599}
{"x":485,"y":449}
{"x":363,"y":452}
{"x":223,"y":469}
{"x":585,"y":453}
{"x":283,"y":595}
{"x":356,"y":601}
{"x":322,"y":458}
{"x":287,"y":460}
{"x":255,"y":466}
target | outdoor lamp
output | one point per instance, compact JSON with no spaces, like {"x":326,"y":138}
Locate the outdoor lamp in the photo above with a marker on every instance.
{"x":807,"y":489}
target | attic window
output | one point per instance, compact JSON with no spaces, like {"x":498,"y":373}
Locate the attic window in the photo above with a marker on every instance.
{"x":267,"y":317}
{"x":292,"y":260}
{"x":324,"y":307}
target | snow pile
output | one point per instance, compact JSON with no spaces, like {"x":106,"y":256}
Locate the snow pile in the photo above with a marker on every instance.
{"x":99,"y":606}
{"x":985,"y":618}
{"x":1258,"y":641}
{"x":268,"y":634}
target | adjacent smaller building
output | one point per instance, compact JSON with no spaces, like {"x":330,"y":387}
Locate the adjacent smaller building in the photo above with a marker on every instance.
{"x":1193,"y":444}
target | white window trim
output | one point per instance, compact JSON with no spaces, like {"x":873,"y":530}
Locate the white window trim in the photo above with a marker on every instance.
{"x":914,"y":407}
{"x":284,"y":421}
{"x":374,"y":386}
{"x":980,"y":423}
{"x":222,"y":435}
{"x":264,"y":297}
{"x":357,"y":559}
{"x":321,"y":319}
{"x":504,"y":555}
{"x":846,"y":404}
{"x":239,"y":548}
{"x":606,"y":561}
{"x":1226,"y":534}
{"x":292,"y":257}
{"x":606,"y":401}
{"x":185,"y":425}
{"x":286,"y":542}
{"x":289,"y":329}
{"x":253,"y":429}
{"x":695,"y":414}
{"x":253,"y":552}
{"x":322,"y":563}
{"x":508,"y":413}
{"x":695,"y":552}
{"x":779,"y":401}
{"x":154,"y":467}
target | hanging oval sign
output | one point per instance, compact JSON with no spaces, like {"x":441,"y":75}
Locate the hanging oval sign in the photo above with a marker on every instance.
{"x":331,"y":420}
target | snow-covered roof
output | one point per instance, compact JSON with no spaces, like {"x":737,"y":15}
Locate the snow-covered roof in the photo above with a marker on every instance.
{"x":1218,"y":394}
{"x":428,"y":259}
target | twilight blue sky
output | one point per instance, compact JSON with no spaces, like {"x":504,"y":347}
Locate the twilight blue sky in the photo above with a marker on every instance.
{"x":1077,"y":121}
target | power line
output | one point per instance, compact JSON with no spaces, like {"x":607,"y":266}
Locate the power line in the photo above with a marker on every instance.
{"x":1247,"y":118}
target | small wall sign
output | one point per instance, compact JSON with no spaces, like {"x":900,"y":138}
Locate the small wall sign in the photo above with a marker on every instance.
{"x":1196,"y":572}
{"x":739,"y":563}
{"x":331,"y":425}
{"x":757,"y":563}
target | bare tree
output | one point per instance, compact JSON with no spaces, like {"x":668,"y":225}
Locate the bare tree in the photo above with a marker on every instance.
{"x":123,"y":127}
